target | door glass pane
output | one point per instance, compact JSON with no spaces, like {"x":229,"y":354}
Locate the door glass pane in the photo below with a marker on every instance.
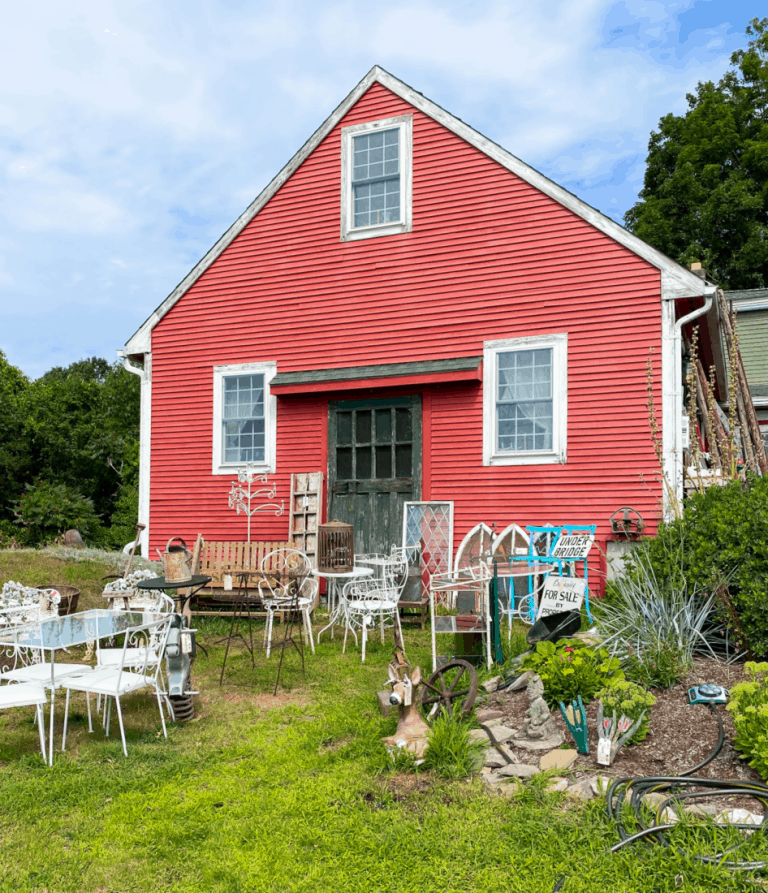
{"x":363,"y":457}
{"x":344,"y":427}
{"x":383,"y":426}
{"x":363,"y":427}
{"x":383,"y":461}
{"x":403,"y":429}
{"x":403,"y":461}
{"x":344,"y":464}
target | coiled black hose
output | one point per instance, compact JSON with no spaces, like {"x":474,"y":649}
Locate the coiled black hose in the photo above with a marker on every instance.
{"x":685,"y":786}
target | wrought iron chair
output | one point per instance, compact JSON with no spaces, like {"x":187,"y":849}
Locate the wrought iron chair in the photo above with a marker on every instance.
{"x":128,"y":676}
{"x":159,"y":603}
{"x":367,"y":602}
{"x":287,"y":586}
{"x":27,"y":694}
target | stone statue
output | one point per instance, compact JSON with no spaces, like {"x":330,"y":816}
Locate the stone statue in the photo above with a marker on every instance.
{"x":540,"y":730}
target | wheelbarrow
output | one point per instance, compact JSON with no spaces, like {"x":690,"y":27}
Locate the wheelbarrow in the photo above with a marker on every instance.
{"x":554,"y":626}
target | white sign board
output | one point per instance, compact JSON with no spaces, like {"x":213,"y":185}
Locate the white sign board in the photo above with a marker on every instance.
{"x":572,"y":546}
{"x":560,"y":594}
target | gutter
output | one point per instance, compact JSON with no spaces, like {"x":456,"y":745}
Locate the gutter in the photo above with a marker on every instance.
{"x":145,"y":425}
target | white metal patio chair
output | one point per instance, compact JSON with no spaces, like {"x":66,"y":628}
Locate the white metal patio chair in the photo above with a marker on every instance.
{"x":125,"y":678}
{"x":27,"y":694}
{"x":160,"y":603}
{"x":277,"y":592}
{"x":366,"y":603}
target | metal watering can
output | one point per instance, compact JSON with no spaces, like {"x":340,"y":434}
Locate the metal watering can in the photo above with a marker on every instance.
{"x":177,"y":561}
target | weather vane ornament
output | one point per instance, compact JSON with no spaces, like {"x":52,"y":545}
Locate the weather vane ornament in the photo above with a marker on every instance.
{"x":243,"y":494}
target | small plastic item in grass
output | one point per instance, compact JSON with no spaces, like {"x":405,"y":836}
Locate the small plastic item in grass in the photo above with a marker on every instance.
{"x":576,"y":719}
{"x":613,"y":735}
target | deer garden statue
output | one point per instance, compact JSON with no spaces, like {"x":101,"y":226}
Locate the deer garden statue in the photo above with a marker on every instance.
{"x":412,"y":732}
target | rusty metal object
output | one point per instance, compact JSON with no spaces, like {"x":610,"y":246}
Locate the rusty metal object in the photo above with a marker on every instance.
{"x":177,"y":561}
{"x":335,"y":547}
{"x":452,"y":687}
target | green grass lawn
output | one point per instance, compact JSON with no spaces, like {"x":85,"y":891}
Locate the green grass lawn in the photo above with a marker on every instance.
{"x":287,"y":794}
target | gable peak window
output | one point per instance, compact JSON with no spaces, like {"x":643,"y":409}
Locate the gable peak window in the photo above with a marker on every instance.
{"x":376,"y":178}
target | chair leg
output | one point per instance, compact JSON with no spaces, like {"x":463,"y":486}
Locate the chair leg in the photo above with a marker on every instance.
{"x":108,"y":712}
{"x":120,"y":720}
{"x":365,"y":635}
{"x":41,"y":729}
{"x":270,"y":620}
{"x":308,"y":627}
{"x":162,"y":717}
{"x":346,"y":630}
{"x":66,"y":721}
{"x":88,"y":702}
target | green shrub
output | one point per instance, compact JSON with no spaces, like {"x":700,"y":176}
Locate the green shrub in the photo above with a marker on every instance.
{"x":749,"y":708}
{"x":46,"y":510}
{"x":451,"y":752}
{"x":661,"y":665}
{"x":721,"y":536}
{"x":572,"y":668}
{"x":631,"y":700}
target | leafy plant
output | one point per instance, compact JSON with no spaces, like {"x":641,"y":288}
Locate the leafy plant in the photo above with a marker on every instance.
{"x":749,"y":707}
{"x":451,"y":752}
{"x":48,"y":509}
{"x":630,"y":699}
{"x":571,"y":668}
{"x":654,"y":622}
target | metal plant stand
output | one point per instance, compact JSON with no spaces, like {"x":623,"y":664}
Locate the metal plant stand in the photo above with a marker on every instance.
{"x":241,"y":608}
{"x":288,"y":626}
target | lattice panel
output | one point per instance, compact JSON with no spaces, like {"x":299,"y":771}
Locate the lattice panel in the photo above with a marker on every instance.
{"x":429,"y":527}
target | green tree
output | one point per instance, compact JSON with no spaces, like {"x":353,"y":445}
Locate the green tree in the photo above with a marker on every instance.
{"x":705,"y":193}
{"x":15,"y":457}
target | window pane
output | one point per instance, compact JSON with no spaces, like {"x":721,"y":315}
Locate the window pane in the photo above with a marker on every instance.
{"x":384,"y":462}
{"x":403,"y":461}
{"x":403,"y":429}
{"x":243,"y":418}
{"x":344,"y":427}
{"x":363,"y":471}
{"x":383,"y":426}
{"x":344,"y":464}
{"x":376,"y":178}
{"x":363,"y":427}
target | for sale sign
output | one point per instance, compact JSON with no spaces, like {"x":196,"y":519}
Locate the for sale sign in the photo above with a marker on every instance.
{"x":560,"y":594}
{"x":569,"y":547}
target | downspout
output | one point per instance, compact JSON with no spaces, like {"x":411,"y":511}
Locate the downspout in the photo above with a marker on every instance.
{"x":145,"y":375}
{"x":674,"y":464}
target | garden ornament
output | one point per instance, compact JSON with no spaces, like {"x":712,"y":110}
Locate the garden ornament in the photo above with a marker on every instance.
{"x":412,"y":732}
{"x":612,"y":735}
{"x":540,"y":731}
{"x":575,"y":718}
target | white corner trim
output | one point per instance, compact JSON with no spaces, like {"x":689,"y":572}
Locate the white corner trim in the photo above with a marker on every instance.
{"x":145,"y":442}
{"x":558,"y":454}
{"x":269,"y":370}
{"x":404,"y":123}
{"x":687,"y":282}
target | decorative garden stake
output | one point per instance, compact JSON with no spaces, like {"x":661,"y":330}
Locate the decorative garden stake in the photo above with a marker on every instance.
{"x":412,"y":732}
{"x":576,"y":719}
{"x":242,"y":494}
{"x":613,"y":735}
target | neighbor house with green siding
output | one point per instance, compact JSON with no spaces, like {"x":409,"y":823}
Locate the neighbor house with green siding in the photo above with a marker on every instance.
{"x":751,"y":308}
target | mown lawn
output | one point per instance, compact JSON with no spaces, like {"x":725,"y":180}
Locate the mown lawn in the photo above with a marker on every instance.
{"x":288,"y":794}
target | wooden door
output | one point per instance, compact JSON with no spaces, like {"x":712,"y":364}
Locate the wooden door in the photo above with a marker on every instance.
{"x":374,"y":466}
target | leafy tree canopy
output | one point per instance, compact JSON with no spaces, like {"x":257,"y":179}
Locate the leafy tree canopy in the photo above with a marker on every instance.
{"x":705,"y":193}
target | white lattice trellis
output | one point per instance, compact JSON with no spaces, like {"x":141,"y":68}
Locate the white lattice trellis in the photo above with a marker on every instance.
{"x":428,"y":526}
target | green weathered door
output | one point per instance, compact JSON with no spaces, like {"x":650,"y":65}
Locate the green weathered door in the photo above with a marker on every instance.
{"x":374,"y":459}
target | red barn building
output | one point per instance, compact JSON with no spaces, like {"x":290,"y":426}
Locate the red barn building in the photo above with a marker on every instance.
{"x":420,"y":315}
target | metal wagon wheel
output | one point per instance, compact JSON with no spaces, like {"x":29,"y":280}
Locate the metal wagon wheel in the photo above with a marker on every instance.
{"x":453,"y":687}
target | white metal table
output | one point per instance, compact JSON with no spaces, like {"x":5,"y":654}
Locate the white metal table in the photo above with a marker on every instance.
{"x":59,"y":633}
{"x":335,"y":600}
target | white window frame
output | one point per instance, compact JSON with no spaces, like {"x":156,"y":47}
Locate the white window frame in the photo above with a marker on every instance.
{"x":268,"y":370}
{"x":348,"y":232}
{"x":491,"y":350}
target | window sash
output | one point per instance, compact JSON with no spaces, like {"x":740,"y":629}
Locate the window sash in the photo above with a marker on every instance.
{"x":524,"y":417}
{"x":243,"y":422}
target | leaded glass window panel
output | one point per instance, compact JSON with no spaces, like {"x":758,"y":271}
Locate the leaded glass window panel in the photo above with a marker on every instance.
{"x":243,"y":429}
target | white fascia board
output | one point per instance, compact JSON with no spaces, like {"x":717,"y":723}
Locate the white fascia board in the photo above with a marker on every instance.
{"x":681,"y":282}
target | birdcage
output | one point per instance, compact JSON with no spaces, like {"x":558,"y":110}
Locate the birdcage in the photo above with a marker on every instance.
{"x":335,"y":547}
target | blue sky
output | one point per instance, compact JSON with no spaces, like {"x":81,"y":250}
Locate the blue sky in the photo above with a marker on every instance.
{"x":133,"y":133}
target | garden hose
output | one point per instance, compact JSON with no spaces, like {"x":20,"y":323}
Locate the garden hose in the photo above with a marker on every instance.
{"x":685,"y":786}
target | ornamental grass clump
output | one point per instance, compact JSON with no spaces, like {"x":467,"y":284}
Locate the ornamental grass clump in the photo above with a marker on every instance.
{"x":451,"y":752}
{"x":749,"y":708}
{"x":570,"y":668}
{"x":626,"y":698}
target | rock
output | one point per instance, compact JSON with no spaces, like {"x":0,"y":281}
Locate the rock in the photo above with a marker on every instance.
{"x":739,"y":817}
{"x":522,"y":681}
{"x":669,"y":816}
{"x":73,"y":539}
{"x":501,"y":733}
{"x":487,"y":715}
{"x":582,"y":790}
{"x":495,"y":760}
{"x":557,"y":785}
{"x":518,"y":770}
{"x":382,"y":699}
{"x":550,"y":743}
{"x":653,"y":801}
{"x":509,"y":788}
{"x":558,"y":759}
{"x":600,"y":785}
{"x":479,"y":735}
{"x":491,"y":684}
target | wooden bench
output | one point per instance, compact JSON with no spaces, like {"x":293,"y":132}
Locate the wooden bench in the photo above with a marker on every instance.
{"x":218,"y":560}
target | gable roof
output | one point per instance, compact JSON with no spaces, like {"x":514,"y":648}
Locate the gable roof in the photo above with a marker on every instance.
{"x":677,"y":282}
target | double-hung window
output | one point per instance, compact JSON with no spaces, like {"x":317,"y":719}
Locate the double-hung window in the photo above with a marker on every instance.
{"x":525,"y":400}
{"x":376,"y":178}
{"x":243,"y":417}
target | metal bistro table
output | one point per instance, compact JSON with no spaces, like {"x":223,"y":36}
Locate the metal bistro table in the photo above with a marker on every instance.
{"x":336,"y":607}
{"x":194,"y":585}
{"x":59,"y":633}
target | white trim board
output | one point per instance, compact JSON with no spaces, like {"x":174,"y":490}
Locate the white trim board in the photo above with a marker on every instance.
{"x":677,"y":282}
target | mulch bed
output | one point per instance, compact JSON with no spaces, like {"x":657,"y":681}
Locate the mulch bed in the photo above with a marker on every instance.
{"x":680,"y":735}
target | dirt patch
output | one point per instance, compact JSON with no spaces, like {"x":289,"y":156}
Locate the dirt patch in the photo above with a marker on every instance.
{"x":680,"y":735}
{"x":261,"y":700}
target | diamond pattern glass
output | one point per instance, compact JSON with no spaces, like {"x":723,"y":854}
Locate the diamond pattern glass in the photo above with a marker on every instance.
{"x":429,"y":526}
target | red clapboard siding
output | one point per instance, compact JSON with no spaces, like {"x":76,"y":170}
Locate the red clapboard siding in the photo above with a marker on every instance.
{"x":489,"y":257}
